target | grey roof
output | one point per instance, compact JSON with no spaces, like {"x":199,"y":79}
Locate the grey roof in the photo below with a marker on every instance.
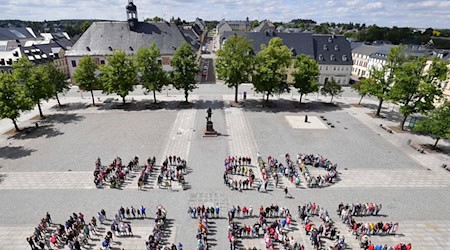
{"x":264,"y":26}
{"x":103,"y":37}
{"x":355,"y":45}
{"x":41,"y":53}
{"x":332,"y":50}
{"x":299,"y":43}
{"x":191,"y":38}
{"x":304,"y":43}
{"x":367,"y":50}
{"x":15,"y":33}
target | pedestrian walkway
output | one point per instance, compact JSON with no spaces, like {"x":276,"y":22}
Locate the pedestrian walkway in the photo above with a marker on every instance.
{"x":178,"y":142}
{"x":46,"y":180}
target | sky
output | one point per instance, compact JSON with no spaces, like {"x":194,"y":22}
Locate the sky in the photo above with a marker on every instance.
{"x":402,"y":13}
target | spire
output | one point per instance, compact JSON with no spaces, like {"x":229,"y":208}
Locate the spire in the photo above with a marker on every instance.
{"x":132,"y":17}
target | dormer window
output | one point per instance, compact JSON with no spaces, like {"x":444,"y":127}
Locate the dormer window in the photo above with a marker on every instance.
{"x":330,"y":40}
{"x":131,"y":48}
{"x":88,"y":49}
{"x":336,"y":47}
{"x":320,"y":57}
{"x":325,"y":47}
{"x":344,"y":58}
{"x":332,"y":58}
{"x":110,"y":49}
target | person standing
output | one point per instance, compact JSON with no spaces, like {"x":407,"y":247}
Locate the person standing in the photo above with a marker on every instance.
{"x":31,"y":242}
{"x":143,"y":212}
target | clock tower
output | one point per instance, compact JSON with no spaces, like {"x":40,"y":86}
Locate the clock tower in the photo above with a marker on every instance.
{"x":132,"y":15}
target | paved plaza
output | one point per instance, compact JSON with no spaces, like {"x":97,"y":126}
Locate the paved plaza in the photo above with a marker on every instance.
{"x":50,"y":168}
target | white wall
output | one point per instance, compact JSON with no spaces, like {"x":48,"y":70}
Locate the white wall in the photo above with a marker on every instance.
{"x":340,"y":73}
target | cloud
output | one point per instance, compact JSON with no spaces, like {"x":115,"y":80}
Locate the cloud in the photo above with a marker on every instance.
{"x":416,"y":13}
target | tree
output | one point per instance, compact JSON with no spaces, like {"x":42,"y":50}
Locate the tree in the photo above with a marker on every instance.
{"x":331,"y":88}
{"x":119,"y":76}
{"x":38,"y":87}
{"x":415,"y":90}
{"x":382,"y":78}
{"x":234,"y":63}
{"x":305,"y":75}
{"x":270,"y":68}
{"x":84,"y":26}
{"x":153,"y":77}
{"x":363,"y":88}
{"x":85,"y":76}
{"x":254,"y":24}
{"x":13,"y":98}
{"x":436,"y":123}
{"x":185,"y":69}
{"x":58,"y":79}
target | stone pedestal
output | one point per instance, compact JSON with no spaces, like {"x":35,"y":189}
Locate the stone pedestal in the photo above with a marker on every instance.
{"x":210,"y":132}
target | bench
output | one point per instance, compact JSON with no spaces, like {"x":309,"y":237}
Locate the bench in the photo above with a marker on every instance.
{"x":386,"y":128}
{"x":417,"y":147}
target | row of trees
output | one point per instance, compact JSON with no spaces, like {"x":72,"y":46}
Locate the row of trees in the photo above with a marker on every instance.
{"x":404,"y":81}
{"x":268,"y":71}
{"x":123,"y":73}
{"x":27,"y":86}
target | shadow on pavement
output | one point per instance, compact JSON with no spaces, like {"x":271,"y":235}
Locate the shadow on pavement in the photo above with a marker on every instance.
{"x":15,"y":152}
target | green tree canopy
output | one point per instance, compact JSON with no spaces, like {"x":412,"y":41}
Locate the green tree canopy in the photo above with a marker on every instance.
{"x":382,"y":79}
{"x":13,"y":98}
{"x":58,"y":79}
{"x":153,"y":77}
{"x":185,"y":69}
{"x":119,"y":76}
{"x":270,"y":76}
{"x":331,"y":88}
{"x":415,"y":90}
{"x":362,"y":88}
{"x":85,"y":76}
{"x":38,"y":87}
{"x":436,"y":123}
{"x":234,"y":63}
{"x":305,"y":75}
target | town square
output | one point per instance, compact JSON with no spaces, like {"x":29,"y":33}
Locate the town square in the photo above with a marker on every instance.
{"x":166,"y":134}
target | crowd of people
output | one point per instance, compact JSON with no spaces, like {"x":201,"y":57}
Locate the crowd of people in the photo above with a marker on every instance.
{"x":146,"y":171}
{"x":173,"y":169}
{"x":154,"y":240}
{"x":238,"y":166}
{"x":366,"y":243}
{"x":39,"y":237}
{"x":203,"y":214}
{"x":326,"y":229}
{"x":273,"y":225}
{"x":359,"y":209}
{"x":115,"y":173}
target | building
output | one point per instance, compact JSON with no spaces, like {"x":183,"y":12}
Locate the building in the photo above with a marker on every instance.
{"x":227,"y":26}
{"x":39,"y":49}
{"x":101,"y":39}
{"x":361,"y":56}
{"x":332,"y":52}
{"x":264,"y":26}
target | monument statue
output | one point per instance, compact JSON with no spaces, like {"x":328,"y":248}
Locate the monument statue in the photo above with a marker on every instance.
{"x":209,"y":124}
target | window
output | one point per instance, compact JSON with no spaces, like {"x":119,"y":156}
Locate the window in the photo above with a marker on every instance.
{"x":160,"y":62}
{"x":102,"y":62}
{"x":336,"y":47}
{"x":326,"y":68}
{"x":74,"y":63}
{"x":325,"y":47}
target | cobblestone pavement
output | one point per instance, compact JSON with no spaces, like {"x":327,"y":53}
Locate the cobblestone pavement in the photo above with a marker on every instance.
{"x":413,"y":189}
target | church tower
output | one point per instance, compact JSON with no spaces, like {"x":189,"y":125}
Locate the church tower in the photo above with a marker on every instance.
{"x":132,"y":15}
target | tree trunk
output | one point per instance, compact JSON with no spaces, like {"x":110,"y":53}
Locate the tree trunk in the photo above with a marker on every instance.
{"x":402,"y":124}
{"x":436,"y":142}
{"x":186,"y":94}
{"x":268,"y":95}
{"x":154,"y":96}
{"x":379,"y":107}
{"x":15,"y":125}
{"x":359,"y":103}
{"x":40,"y":110}
{"x":301,"y":95}
{"x":57,"y":99}
{"x":93,"y":100}
{"x":332,"y":96}
{"x":236,"y":94}
{"x":123,"y":99}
